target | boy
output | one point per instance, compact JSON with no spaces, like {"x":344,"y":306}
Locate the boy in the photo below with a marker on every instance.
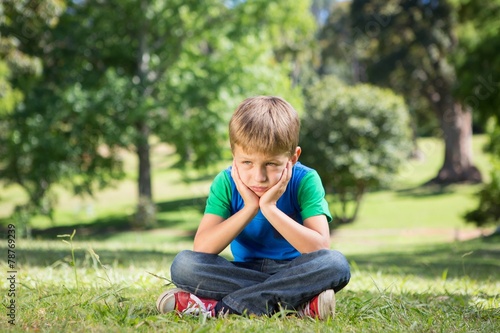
{"x":271,"y":210}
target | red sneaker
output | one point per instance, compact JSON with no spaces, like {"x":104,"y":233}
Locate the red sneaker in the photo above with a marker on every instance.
{"x":185,"y":303}
{"x":320,"y":307}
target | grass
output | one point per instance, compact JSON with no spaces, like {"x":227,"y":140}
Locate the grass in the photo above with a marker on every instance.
{"x":450,"y":287}
{"x":416,"y":266}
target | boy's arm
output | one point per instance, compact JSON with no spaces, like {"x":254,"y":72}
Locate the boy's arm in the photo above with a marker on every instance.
{"x":216,"y":232}
{"x":312,"y":236}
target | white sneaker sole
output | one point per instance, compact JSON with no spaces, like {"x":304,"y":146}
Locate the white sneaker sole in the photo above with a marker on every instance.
{"x":166,"y":301}
{"x":326,"y":304}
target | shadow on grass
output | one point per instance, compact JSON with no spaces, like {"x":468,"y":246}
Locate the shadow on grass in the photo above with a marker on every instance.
{"x":424,"y":190}
{"x":43,"y":257}
{"x":476,"y":259}
{"x":104,"y":228}
{"x":176,"y":205}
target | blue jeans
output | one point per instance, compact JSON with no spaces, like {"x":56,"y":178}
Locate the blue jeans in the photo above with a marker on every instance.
{"x":263,"y":286}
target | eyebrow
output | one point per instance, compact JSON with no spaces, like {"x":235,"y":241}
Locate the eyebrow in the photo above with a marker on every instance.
{"x":245,"y":156}
{"x":273,"y":159}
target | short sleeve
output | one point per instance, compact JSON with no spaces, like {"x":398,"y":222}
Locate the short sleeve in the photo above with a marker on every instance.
{"x":219,"y":197}
{"x":311,"y":197}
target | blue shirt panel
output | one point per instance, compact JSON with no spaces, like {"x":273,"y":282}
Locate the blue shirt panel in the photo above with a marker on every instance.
{"x":259,"y":239}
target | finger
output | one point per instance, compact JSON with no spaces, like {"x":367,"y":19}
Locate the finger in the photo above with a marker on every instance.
{"x":234,"y":171}
{"x":287,"y":172}
{"x":289,"y":169}
{"x":284,"y":175}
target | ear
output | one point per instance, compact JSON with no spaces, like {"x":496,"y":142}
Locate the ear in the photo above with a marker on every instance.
{"x":295,"y":157}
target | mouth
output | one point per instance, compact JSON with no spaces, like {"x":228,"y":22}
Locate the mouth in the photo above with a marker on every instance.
{"x":258,"y":189}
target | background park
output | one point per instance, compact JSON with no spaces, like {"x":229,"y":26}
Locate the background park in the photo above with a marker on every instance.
{"x":113,"y":123}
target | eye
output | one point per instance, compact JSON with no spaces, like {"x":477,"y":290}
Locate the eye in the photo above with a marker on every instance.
{"x":246,"y":162}
{"x":271,"y":164}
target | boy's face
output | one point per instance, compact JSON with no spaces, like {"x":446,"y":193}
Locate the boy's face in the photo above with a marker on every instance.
{"x":259,"y":171}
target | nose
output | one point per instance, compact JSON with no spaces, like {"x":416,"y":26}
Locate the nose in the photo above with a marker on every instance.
{"x":260,"y":175}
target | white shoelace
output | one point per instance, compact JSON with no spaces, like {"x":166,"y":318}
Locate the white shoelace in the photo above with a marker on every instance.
{"x":196,"y":307}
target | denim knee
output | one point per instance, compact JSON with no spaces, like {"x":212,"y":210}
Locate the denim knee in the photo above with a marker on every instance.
{"x":340,"y":269}
{"x":183,"y":266}
{"x":340,"y":262}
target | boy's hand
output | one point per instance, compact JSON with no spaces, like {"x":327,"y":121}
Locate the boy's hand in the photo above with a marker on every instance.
{"x":250,"y":199}
{"x":274,"y":193}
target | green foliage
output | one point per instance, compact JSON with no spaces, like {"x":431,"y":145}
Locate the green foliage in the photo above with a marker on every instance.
{"x":9,"y":97}
{"x":49,"y":143}
{"x":186,"y":64}
{"x":26,"y":158}
{"x":478,"y":66}
{"x":111,"y":74}
{"x":478,"y":86}
{"x":356,"y":137}
{"x":353,"y":47}
{"x":487,"y":211}
{"x":406,"y":45}
{"x":22,"y":24}
{"x":338,"y":51}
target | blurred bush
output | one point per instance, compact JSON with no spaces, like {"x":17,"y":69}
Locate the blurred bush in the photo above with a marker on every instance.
{"x":356,"y":137}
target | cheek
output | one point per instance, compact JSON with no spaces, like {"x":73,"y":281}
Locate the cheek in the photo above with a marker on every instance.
{"x":245,"y":177}
{"x":275,"y":176}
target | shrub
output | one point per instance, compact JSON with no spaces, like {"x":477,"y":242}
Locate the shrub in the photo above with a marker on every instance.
{"x":488,"y":209}
{"x":356,"y":137}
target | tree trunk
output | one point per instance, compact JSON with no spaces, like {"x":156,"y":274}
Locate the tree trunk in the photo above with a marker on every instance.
{"x":456,"y":124}
{"x":145,"y":216}
{"x":143,"y":155}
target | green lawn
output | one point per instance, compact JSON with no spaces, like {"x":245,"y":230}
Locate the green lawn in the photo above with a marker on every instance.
{"x":414,"y":268}
{"x":450,"y":287}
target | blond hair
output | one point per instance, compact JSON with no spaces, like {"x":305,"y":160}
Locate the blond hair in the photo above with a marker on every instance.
{"x":265,"y":124}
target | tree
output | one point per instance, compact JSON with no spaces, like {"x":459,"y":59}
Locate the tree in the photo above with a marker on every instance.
{"x":478,"y":73}
{"x":117,"y":73}
{"x":341,"y":52}
{"x":356,"y":137}
{"x":476,"y":60}
{"x":178,"y":58}
{"x":20,"y":22}
{"x":337,"y":54}
{"x":406,"y":45}
{"x":22,"y":31}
